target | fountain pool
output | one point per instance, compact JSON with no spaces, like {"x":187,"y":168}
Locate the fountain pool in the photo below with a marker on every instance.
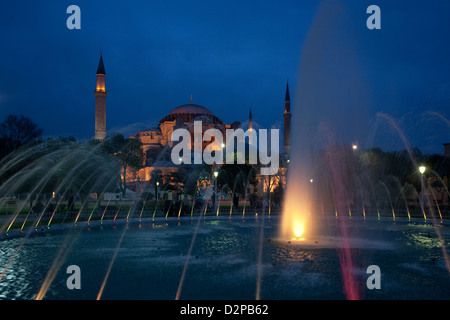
{"x":146,"y":260}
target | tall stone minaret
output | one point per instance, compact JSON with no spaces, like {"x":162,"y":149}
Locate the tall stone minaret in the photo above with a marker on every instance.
{"x":287,"y":122}
{"x":250,"y":127}
{"x":100,"y":102}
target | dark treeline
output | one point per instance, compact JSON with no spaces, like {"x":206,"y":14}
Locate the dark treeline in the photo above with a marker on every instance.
{"x":379,"y":179}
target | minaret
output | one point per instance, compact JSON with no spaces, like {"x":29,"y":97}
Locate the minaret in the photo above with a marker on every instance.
{"x":287,"y":122}
{"x":100,"y":102}
{"x":250,"y":128}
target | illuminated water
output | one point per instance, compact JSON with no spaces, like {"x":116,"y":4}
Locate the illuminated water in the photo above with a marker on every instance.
{"x":224,"y":258}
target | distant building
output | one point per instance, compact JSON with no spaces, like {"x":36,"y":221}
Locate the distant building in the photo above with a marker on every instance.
{"x":156,"y":140}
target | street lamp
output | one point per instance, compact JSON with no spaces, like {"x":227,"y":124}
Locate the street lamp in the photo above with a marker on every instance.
{"x":354,"y":146}
{"x":216,"y":174}
{"x":422,"y":170}
{"x":156,"y":190}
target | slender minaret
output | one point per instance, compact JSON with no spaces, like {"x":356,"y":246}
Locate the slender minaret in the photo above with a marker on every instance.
{"x":250,"y":128}
{"x":100,"y":102}
{"x":287,"y":122}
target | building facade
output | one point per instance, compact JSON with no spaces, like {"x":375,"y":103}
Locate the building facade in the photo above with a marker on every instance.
{"x":157,"y":140}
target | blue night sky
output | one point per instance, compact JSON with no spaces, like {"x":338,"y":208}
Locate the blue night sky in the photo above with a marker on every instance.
{"x":231,"y":55}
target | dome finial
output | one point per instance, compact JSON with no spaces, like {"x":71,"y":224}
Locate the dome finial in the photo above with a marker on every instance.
{"x":191,"y":100}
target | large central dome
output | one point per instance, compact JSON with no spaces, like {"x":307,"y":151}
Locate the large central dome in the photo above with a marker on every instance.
{"x":191,"y":109}
{"x":190,"y":112}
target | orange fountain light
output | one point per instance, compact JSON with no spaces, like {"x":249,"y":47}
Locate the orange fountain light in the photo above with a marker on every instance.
{"x":298,"y":230}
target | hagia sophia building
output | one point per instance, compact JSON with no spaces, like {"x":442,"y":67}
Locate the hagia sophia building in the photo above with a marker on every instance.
{"x":183,"y":116}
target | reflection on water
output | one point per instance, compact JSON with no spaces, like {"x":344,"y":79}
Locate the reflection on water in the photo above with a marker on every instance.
{"x":422,"y":240}
{"x":223,"y":264}
{"x":292,"y":254}
{"x":30,"y":264}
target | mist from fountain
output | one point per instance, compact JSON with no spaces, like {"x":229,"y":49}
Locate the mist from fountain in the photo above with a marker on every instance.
{"x":330,"y":106}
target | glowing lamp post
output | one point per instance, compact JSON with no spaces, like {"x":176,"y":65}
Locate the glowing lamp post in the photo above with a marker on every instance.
{"x":216,"y":174}
{"x":422,"y":170}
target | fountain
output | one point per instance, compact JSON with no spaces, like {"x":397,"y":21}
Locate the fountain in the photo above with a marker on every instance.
{"x":338,"y":216}
{"x":320,"y":154}
{"x":159,"y":257}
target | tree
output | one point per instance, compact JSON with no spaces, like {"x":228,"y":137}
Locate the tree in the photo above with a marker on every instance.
{"x":238,"y":177}
{"x":17,"y":131}
{"x":128,"y":152}
{"x":156,"y":176}
{"x":63,"y":166}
